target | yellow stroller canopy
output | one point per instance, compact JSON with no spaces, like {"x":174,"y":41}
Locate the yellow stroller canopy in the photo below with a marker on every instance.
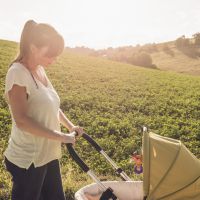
{"x":171,"y":171}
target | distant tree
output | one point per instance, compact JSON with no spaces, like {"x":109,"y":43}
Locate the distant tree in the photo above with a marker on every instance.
{"x":182,"y":42}
{"x":110,"y":48}
{"x":142,"y":59}
{"x":196,"y":37}
{"x":186,"y":47}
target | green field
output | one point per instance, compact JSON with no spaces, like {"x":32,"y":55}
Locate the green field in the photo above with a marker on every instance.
{"x":111,"y":101}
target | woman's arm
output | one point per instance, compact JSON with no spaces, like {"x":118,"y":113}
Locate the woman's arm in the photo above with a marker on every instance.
{"x":18,"y":102}
{"x":65,"y":121}
{"x":68,"y":124}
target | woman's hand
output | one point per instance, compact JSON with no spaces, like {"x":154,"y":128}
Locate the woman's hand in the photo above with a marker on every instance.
{"x":78,"y":130}
{"x":68,"y":138}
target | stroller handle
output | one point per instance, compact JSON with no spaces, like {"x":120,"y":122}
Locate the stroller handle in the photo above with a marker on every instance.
{"x":107,"y":192}
{"x":92,"y":142}
{"x":76,"y":157}
{"x":84,"y":167}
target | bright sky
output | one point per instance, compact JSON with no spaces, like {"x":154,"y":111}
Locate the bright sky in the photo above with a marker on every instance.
{"x":104,"y":23}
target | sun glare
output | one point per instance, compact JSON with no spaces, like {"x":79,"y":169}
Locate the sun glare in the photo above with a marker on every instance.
{"x":99,"y":24}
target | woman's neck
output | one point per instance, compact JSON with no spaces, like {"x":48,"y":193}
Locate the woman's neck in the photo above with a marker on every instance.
{"x":29,"y":64}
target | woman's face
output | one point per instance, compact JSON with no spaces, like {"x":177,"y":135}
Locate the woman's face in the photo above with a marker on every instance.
{"x":41,"y":56}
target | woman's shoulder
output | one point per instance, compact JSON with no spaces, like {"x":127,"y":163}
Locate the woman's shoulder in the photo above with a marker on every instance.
{"x":17,"y":68}
{"x":17,"y":71}
{"x":17,"y":75}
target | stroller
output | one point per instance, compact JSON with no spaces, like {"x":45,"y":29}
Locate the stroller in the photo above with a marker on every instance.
{"x":171,"y":172}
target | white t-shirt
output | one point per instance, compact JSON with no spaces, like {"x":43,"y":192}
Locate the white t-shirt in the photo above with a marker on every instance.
{"x":43,"y":106}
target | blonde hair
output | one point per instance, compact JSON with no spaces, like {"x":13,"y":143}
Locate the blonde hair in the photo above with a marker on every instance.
{"x":39,"y":34}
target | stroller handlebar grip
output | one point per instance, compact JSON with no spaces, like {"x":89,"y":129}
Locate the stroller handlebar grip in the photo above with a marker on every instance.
{"x":92,"y":142}
{"x":78,"y":160}
{"x":75,"y":156}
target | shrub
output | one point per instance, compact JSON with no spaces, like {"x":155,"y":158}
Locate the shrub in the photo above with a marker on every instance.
{"x":142,"y":59}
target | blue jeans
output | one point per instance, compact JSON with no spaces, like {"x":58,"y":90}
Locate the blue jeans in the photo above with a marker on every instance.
{"x":40,"y":183}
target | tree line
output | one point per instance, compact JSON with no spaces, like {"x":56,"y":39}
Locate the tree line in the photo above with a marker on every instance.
{"x":189,"y":46}
{"x":140,"y":55}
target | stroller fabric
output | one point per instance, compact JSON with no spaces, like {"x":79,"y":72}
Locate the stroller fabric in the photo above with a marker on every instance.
{"x":171,"y":171}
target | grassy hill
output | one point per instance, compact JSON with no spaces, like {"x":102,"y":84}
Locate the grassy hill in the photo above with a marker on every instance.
{"x":164,"y":56}
{"x":111,"y":100}
{"x":178,"y":62}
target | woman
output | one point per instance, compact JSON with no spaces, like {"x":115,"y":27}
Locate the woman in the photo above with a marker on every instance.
{"x":35,"y":142}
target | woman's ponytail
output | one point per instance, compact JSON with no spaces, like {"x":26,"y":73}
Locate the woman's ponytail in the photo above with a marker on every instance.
{"x":25,"y":40}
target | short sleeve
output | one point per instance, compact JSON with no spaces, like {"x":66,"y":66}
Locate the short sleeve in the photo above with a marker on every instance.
{"x":17,"y":75}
